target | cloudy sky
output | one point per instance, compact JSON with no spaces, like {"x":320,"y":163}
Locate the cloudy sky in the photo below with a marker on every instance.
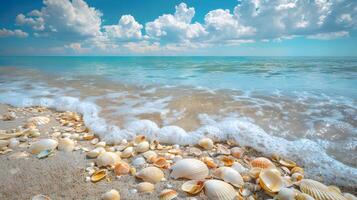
{"x":187,"y":27}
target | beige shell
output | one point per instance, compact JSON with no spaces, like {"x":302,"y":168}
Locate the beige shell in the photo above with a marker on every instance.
{"x":121,"y":168}
{"x":168,"y":194}
{"x":270,"y":180}
{"x":40,"y":197}
{"x":237,"y":152}
{"x":303,"y":196}
{"x":98,"y":175}
{"x":194,"y":151}
{"x":151,"y":174}
{"x":139,"y":138}
{"x":297,"y":170}
{"x":142,"y":147}
{"x":66,"y":145}
{"x":43,"y":144}
{"x":150,"y":156}
{"x":189,"y":168}
{"x":229,"y":175}
{"x":286,"y":194}
{"x":111,"y":195}
{"x":262,"y":163}
{"x":128,"y":152}
{"x":41,"y":120}
{"x":287,"y":163}
{"x":145,"y":187}
{"x":221,"y":149}
{"x":107,"y":159}
{"x":95,"y":152}
{"x":193,"y":186}
{"x":206,"y":143}
{"x":219,"y":190}
{"x":209,"y":162}
{"x":161,"y":162}
{"x":318,"y":190}
{"x":349,"y":196}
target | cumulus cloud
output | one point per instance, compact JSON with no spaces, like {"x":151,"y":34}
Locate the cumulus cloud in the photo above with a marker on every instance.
{"x":127,"y":28}
{"x":12,"y":33}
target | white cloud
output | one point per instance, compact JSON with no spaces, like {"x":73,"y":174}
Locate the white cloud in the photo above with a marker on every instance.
{"x":12,"y":33}
{"x":36,"y":22}
{"x":127,"y":28}
{"x":329,"y":36}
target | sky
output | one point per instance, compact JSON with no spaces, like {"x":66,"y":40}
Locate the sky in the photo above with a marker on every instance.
{"x":170,"y":27}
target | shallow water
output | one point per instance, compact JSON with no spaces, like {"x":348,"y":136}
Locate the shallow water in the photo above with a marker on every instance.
{"x":303,"y":108}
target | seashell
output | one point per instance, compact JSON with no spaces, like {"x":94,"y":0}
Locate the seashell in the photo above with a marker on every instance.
{"x":229,"y":175}
{"x":128,"y":152}
{"x":101,"y":144}
{"x":239,"y":167}
{"x":286,"y":194}
{"x":121,"y":168}
{"x":139,"y":138}
{"x":4,"y":135}
{"x":142,"y":147}
{"x":303,"y":196}
{"x":227,"y":161}
{"x":189,"y":168}
{"x":287,"y":163}
{"x":262,"y":163}
{"x":194,"y":151}
{"x":206,"y":143}
{"x":94,"y":141}
{"x":150,"y":155}
{"x":154,"y":144}
{"x":145,"y":187}
{"x":209,"y":162}
{"x":111,"y":195}
{"x":223,"y":150}
{"x":43,"y":144}
{"x":41,"y":120}
{"x":297,"y":177}
{"x":32,"y":133}
{"x":150,"y":174}
{"x":237,"y":152}
{"x":9,"y":116}
{"x":95,"y":152}
{"x":161,"y":162}
{"x":349,"y":196}
{"x":107,"y":159}
{"x":4,"y":143}
{"x":40,"y":197}
{"x":270,"y":180}
{"x":318,"y":190}
{"x":219,"y":190}
{"x":175,"y":151}
{"x":193,"y":186}
{"x":139,"y":161}
{"x":334,"y":188}
{"x":168,"y":194}
{"x":287,"y":182}
{"x":254,"y":172}
{"x":297,"y":170}
{"x":66,"y":145}
{"x":98,"y":175}
{"x":44,"y":154}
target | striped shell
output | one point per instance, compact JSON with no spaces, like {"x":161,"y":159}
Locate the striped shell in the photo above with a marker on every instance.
{"x":303,"y":196}
{"x":219,"y":190}
{"x":168,"y":194}
{"x":145,"y":187}
{"x":319,"y":191}
{"x":151,"y":174}
{"x":262,"y":163}
{"x":41,"y":120}
{"x":190,"y":169}
{"x":229,"y":175}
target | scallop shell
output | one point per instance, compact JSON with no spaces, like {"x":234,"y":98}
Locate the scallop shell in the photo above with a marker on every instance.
{"x":98,"y":175}
{"x":349,"y":196}
{"x":193,"y":186}
{"x":66,"y":145}
{"x":161,"y":162}
{"x":128,"y":152}
{"x":286,"y":194}
{"x":107,"y":159}
{"x":190,"y":169}
{"x":229,"y":175}
{"x":168,"y":194}
{"x":121,"y":168}
{"x":111,"y":195}
{"x":145,"y":187}
{"x":303,"y":196}
{"x":270,"y":180}
{"x":287,"y":163}
{"x":41,"y":120}
{"x":206,"y":143}
{"x":318,"y":190}
{"x":151,"y":174}
{"x":43,"y":144}
{"x":219,"y":190}
{"x":142,"y":147}
{"x":262,"y":163}
{"x":237,"y":152}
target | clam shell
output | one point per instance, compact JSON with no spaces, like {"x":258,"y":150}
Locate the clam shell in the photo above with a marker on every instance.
{"x":318,"y":190}
{"x":121,"y":168}
{"x":161,"y":162}
{"x":66,"y":145}
{"x":286,"y":194}
{"x":168,"y":194}
{"x":189,"y":168}
{"x":287,"y":163}
{"x":206,"y":143}
{"x":40,"y":120}
{"x":151,"y":174}
{"x":43,"y":144}
{"x":150,"y":156}
{"x":145,"y":187}
{"x":95,"y":152}
{"x":270,"y":180}
{"x":239,"y":167}
{"x":193,"y":186}
{"x":107,"y":159}
{"x":128,"y":152}
{"x":138,"y":162}
{"x":303,"y":196}
{"x":98,"y":175}
{"x":219,"y":190}
{"x":229,"y":175}
{"x":111,"y":195}
{"x":262,"y":163}
{"x":237,"y":152}
{"x":142,"y":147}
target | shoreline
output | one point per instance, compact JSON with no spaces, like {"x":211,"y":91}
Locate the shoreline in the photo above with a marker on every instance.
{"x":63,"y":175}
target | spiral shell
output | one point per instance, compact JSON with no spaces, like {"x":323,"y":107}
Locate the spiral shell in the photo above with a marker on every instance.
{"x":229,"y":175}
{"x":219,"y":190}
{"x":318,"y":190}
{"x":151,"y":174}
{"x":190,"y":169}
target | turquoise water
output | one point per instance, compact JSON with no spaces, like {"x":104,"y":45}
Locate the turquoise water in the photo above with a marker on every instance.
{"x":304,"y":108}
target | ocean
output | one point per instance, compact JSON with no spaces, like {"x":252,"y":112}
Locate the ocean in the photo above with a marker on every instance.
{"x":304,"y":108}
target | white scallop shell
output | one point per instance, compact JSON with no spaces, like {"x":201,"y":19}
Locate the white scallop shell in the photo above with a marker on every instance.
{"x":189,"y":168}
{"x":303,"y":196}
{"x":66,"y":145}
{"x":229,"y":175}
{"x":151,"y":174}
{"x":219,"y":190}
{"x":318,"y":190}
{"x":111,"y":195}
{"x":107,"y":159}
{"x":43,"y":144}
{"x":206,"y":143}
{"x":40,"y":120}
{"x":142,"y":147}
{"x":168,"y":194}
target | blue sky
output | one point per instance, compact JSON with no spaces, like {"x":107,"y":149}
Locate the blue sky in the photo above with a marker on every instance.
{"x":170,"y":27}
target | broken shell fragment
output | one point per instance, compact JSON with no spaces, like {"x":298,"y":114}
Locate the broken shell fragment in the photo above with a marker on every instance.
{"x":262,"y":163}
{"x":168,"y":194}
{"x":189,"y":168}
{"x":219,"y":190}
{"x":66,"y":145}
{"x":111,"y":195}
{"x":151,"y":174}
{"x":145,"y":187}
{"x":40,"y":120}
{"x":193,"y":186}
{"x":297,"y":170}
{"x":98,"y":175}
{"x":41,"y":145}
{"x":121,"y":168}
{"x":139,"y":138}
{"x":150,"y":156}
{"x":318,"y":190}
{"x":44,"y":154}
{"x":206,"y":143}
{"x":270,"y":180}
{"x":194,"y":151}
{"x":107,"y":159}
{"x":227,"y":161}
